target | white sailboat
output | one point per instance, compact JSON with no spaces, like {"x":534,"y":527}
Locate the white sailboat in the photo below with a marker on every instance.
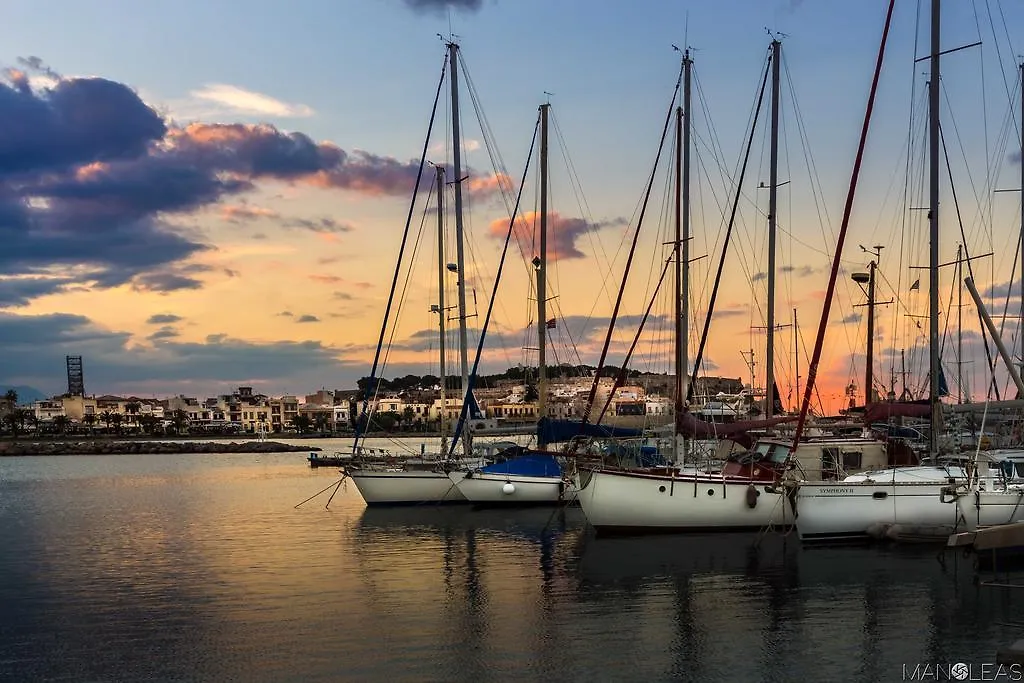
{"x":901,"y":502}
{"x":431,"y":480}
{"x":525,"y":477}
{"x":746,"y":493}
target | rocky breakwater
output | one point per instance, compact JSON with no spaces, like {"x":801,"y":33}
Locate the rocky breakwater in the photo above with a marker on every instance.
{"x":103,"y":447}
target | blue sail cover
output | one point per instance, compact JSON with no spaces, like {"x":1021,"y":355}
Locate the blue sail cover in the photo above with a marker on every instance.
{"x":556,"y":431}
{"x":529,"y":465}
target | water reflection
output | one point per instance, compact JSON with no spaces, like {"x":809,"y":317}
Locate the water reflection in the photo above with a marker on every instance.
{"x":210,"y":571}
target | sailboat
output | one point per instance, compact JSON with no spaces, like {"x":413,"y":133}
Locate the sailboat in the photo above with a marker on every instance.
{"x":428,"y":480}
{"x":525,"y":476}
{"x":745,"y":494}
{"x":898,"y":502}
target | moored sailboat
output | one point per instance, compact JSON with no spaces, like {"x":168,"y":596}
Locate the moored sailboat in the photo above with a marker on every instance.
{"x":431,"y":481}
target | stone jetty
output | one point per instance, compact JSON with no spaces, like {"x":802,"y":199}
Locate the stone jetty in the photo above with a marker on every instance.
{"x":105,"y":447}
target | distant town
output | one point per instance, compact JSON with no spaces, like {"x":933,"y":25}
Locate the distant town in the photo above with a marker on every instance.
{"x":411,"y":403}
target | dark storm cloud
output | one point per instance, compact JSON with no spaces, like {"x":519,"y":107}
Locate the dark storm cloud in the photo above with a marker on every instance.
{"x":307,"y":319}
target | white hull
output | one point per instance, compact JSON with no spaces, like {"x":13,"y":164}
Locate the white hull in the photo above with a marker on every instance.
{"x":990,"y":508}
{"x":483,"y":488}
{"x":407,"y":487}
{"x":633,"y":502}
{"x":863,"y":505}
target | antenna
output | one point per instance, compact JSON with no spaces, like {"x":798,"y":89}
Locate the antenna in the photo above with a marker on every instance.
{"x":549,"y":94}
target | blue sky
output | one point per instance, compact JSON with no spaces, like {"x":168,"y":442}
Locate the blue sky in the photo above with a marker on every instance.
{"x":360,"y":75}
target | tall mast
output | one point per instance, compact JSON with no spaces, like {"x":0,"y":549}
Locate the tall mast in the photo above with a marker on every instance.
{"x":796,"y":353}
{"x":772,"y":207}
{"x":541,"y":265}
{"x":453,"y":51}
{"x":869,"y":362}
{"x":959,"y":324}
{"x":933,"y":230}
{"x":441,"y":312}
{"x":1021,"y":333}
{"x":682,"y":297}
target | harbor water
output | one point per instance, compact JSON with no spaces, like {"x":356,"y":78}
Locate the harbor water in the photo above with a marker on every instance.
{"x":200,"y":568}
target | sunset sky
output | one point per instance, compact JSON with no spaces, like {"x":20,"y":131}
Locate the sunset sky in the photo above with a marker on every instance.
{"x":201,"y":195}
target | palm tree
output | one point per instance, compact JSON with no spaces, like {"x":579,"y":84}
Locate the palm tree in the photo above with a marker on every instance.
{"x":107,"y":418}
{"x":89,"y":420}
{"x":322,"y":421}
{"x":301,"y":422}
{"x":179,"y":419}
{"x":60,"y":423}
{"x":116,"y":419}
{"x":12,"y":397}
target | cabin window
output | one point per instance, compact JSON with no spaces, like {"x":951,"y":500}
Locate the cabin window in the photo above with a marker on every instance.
{"x":852,"y":460}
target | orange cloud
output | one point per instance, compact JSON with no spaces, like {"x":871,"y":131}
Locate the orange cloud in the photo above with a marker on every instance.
{"x":236,"y":212}
{"x":562,"y":232}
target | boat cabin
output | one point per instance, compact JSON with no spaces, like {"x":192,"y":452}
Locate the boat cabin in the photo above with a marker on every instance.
{"x":817,"y":459}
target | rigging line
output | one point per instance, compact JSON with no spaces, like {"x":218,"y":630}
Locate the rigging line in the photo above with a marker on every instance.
{"x":812,"y":370}
{"x":907,"y":175}
{"x":989,"y":360}
{"x":816,"y":190}
{"x":632,"y":250}
{"x":401,"y":251}
{"x":728,"y":233}
{"x":490,"y":304}
{"x":996,"y":39}
{"x":620,"y":376}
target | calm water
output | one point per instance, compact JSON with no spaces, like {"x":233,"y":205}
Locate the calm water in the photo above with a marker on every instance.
{"x":199,"y":568}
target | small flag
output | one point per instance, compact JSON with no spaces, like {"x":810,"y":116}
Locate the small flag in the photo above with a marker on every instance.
{"x":916,"y":285}
{"x":551,"y":324}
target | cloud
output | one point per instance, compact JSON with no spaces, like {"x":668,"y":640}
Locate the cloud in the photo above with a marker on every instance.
{"x":307,"y":319}
{"x":237,"y":213}
{"x":562,"y":232}
{"x":321,"y":225}
{"x":286,"y":314}
{"x":35,"y":346}
{"x":164,"y":282}
{"x":92,"y":181}
{"x":1015,"y":157}
{"x":337,"y":280}
{"x":18,"y":291}
{"x":344,"y":296}
{"x":163,"y":319}
{"x":165,"y":332}
{"x":851,"y":318}
{"x":798,"y":271}
{"x":439,"y":6}
{"x":235,"y":100}
{"x":757,"y":277}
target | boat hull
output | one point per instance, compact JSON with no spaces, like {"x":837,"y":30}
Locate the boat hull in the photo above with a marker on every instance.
{"x":407,"y":487}
{"x":630,"y":502}
{"x":491,"y":489}
{"x":860,"y":511}
{"x":981,"y":509}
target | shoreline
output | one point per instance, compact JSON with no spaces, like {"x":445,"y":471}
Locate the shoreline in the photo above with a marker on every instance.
{"x":112,"y":447}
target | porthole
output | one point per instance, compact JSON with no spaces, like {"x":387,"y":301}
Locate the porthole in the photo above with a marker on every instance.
{"x":711,"y":492}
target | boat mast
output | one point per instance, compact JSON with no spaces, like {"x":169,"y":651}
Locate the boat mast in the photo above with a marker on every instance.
{"x":441,"y":312}
{"x":1020,"y":333}
{"x":459,"y":247}
{"x":540,"y":263}
{"x":682,"y":293}
{"x":933,"y":229}
{"x":959,"y":325}
{"x":772,"y":208}
{"x":796,"y":353}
